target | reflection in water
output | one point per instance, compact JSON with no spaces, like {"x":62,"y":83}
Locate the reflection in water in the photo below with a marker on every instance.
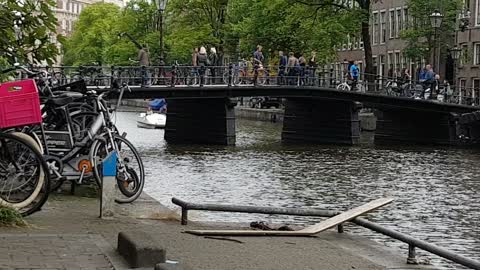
{"x":436,"y":190}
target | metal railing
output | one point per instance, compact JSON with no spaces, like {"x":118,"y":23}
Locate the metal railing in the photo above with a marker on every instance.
{"x":411,"y":241}
{"x":242,"y":74}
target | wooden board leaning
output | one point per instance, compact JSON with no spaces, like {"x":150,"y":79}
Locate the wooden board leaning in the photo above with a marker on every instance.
{"x":308,"y":231}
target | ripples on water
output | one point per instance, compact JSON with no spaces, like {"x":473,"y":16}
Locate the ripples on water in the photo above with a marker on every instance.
{"x":436,"y":190}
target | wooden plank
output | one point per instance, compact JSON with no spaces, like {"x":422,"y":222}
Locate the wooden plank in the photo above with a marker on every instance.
{"x":346,"y":216}
{"x":309,"y":231}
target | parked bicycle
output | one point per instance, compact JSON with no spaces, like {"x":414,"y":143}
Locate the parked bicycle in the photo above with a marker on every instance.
{"x":76,"y":140}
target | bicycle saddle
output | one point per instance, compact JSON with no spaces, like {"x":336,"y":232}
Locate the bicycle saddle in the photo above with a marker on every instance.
{"x":61,"y":101}
{"x":64,"y":94}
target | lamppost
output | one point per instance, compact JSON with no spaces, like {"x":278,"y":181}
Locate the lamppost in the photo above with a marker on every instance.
{"x":436,"y":21}
{"x":455,"y":53}
{"x":161,"y":5}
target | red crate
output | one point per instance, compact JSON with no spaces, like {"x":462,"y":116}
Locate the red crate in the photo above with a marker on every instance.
{"x":19,"y":104}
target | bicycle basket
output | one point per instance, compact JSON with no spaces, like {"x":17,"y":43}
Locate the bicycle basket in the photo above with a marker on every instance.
{"x":19,"y":104}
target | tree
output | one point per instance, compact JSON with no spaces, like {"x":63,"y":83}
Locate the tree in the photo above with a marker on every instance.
{"x":194,"y":23}
{"x":93,"y":35}
{"x":361,"y":6}
{"x":279,"y":25}
{"x":99,"y":34}
{"x":420,"y":35}
{"x":33,"y":41}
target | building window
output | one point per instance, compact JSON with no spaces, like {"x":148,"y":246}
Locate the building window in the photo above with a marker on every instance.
{"x":476,"y":91}
{"x":463,"y":90}
{"x":392,"y":24}
{"x":375,"y":28}
{"x":383,"y":27}
{"x":477,"y":12}
{"x":476,"y":54}
{"x":399,"y":22}
{"x":59,"y":4}
{"x":67,"y":26}
{"x":397,"y":64}
{"x":406,"y":19}
{"x":391,"y":64}
{"x":67,"y":7}
{"x":360,"y":45}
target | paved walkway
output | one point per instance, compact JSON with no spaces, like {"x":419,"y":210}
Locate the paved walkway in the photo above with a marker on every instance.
{"x":68,"y":234}
{"x":52,"y":251}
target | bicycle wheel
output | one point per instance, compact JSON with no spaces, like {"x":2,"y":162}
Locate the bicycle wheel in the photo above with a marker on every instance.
{"x":24,"y":185}
{"x":102,"y":81}
{"x":361,"y":88}
{"x":130,"y":171}
{"x":343,"y":87}
{"x":58,"y":79}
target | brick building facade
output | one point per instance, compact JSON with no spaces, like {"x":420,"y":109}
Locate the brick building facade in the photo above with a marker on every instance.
{"x":468,"y":66}
{"x":387,"y":19}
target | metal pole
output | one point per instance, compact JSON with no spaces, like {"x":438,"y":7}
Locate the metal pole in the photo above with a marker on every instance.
{"x":413,"y":242}
{"x":161,"y":35}
{"x":434,"y":49}
{"x":439,"y":53}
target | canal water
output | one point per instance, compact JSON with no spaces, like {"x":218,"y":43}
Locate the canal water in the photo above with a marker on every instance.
{"x":436,"y":190}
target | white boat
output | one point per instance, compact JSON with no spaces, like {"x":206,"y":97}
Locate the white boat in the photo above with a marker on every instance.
{"x":152,"y":120}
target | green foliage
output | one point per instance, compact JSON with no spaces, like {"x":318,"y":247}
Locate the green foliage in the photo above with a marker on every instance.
{"x":94,"y":34}
{"x":11,"y":217}
{"x":421,"y":35}
{"x":96,"y":39}
{"x":234,"y":27}
{"x":281,"y":25}
{"x":34,"y":42}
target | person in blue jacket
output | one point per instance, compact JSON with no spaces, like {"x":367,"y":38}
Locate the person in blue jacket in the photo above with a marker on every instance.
{"x":355,"y":74}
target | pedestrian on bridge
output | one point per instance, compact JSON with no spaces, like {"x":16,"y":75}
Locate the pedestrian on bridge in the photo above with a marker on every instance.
{"x":428,"y":81}
{"x":213,"y":59}
{"x":202,"y":59}
{"x":194,"y":71}
{"x":292,"y":66}
{"x":302,"y":62}
{"x":282,"y":66}
{"x":312,"y":65}
{"x":355,"y":74}
{"x":144,"y":62}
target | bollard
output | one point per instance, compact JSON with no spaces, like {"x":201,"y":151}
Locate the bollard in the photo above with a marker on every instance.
{"x":340,"y":228}
{"x":412,"y":255}
{"x":109,"y":167}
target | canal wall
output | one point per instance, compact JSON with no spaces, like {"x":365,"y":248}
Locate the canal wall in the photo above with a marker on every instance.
{"x":368,"y":120}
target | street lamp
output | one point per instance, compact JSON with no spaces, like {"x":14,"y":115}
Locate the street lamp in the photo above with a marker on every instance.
{"x":161,"y":5}
{"x":455,"y":52}
{"x":436,"y":20}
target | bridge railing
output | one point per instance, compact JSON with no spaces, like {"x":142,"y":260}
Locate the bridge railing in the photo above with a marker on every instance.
{"x":247,"y":74}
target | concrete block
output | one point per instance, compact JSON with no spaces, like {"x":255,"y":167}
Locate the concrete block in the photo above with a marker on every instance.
{"x":139,"y":249}
{"x":171,"y":266}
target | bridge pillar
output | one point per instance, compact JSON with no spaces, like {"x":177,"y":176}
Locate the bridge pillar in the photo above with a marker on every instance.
{"x":404,"y":125}
{"x":203,"y":121}
{"x":321,"y":121}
